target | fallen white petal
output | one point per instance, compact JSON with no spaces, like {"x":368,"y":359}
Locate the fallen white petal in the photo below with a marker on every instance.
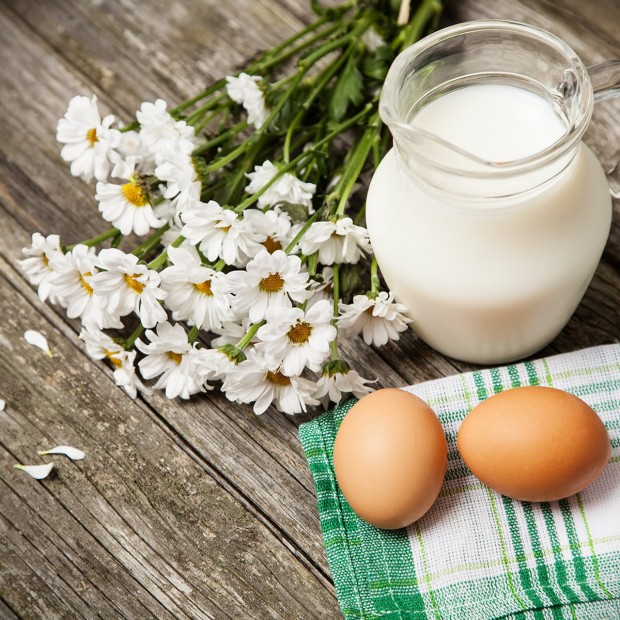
{"x":2,"y":404}
{"x":73,"y":453}
{"x":37,"y":339}
{"x":38,"y":472}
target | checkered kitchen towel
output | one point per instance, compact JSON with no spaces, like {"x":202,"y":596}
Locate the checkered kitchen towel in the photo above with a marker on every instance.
{"x":477,"y":555}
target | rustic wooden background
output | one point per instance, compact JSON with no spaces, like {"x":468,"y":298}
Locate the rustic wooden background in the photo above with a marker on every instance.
{"x":197,"y":510}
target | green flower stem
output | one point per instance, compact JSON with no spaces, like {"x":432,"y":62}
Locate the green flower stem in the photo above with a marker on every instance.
{"x":313,"y":218}
{"x":304,"y":65}
{"x":426,"y":12}
{"x":158,"y":261}
{"x":336,"y":292}
{"x":268,"y":59}
{"x":230,"y":132}
{"x":134,"y":336}
{"x":193,"y":334}
{"x":200,"y":96}
{"x":112,"y":232}
{"x":375,"y":283}
{"x":237,"y":179}
{"x":197,"y":115}
{"x":243,"y":343}
{"x":275,"y":56}
{"x":356,"y":162}
{"x":313,"y":260}
{"x":116,"y":240}
{"x":321,"y":80}
{"x":151,"y":242}
{"x":308,"y":153}
{"x":293,"y":51}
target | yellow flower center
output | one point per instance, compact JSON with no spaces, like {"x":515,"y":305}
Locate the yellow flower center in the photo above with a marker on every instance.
{"x":175,"y":357}
{"x":133,"y":284}
{"x":115,"y":361}
{"x":204,"y":288}
{"x":271,"y":245}
{"x":45,"y":261}
{"x":278,"y":378}
{"x":272,"y":283}
{"x":91,"y":136}
{"x":299,"y":333}
{"x":86,"y":285}
{"x":134,"y":194}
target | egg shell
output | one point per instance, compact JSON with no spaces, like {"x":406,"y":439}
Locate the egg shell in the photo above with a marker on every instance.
{"x":390,"y":458}
{"x":536,"y":444}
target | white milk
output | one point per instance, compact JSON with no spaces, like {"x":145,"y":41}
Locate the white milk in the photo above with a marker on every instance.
{"x":490,"y":281}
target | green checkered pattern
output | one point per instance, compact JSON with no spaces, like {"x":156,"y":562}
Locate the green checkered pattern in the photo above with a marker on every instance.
{"x":477,"y":555}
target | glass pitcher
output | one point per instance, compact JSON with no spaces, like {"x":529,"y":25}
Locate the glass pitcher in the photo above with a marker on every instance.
{"x":491,"y":256}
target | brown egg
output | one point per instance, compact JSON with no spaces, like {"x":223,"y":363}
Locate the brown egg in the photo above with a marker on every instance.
{"x":390,"y":458}
{"x":535,"y":444}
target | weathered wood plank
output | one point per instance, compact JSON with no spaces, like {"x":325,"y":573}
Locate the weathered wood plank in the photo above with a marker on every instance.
{"x":138,"y":512}
{"x":6,"y":613}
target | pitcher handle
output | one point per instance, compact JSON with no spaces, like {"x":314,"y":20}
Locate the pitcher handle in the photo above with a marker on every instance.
{"x":605,"y":77}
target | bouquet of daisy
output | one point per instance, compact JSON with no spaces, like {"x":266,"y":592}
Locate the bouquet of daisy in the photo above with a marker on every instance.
{"x":235,"y":250}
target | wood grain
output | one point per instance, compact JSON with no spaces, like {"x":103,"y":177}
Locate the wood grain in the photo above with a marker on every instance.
{"x":196,"y":509}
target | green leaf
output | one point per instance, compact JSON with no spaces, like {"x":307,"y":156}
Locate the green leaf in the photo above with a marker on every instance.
{"x":375,"y":66}
{"x":347,"y":90}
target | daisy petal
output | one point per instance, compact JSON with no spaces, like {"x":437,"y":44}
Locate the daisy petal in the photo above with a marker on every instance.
{"x":38,"y":472}
{"x":73,"y":453}
{"x":37,"y":339}
{"x":2,"y":404}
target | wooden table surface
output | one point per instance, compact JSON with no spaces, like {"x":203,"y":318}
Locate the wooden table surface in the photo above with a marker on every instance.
{"x":196,"y":509}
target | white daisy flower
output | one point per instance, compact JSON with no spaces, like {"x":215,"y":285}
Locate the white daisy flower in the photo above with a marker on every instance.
{"x":181,"y":179}
{"x":272,"y":227}
{"x":378,"y":318}
{"x":336,"y":242}
{"x":213,"y":364}
{"x":131,"y":146}
{"x":90,"y":142}
{"x":269,"y":280}
{"x":220,"y":233}
{"x":338,"y":379}
{"x":293,"y":339}
{"x":245,"y":90}
{"x":38,"y":266}
{"x":72,"y":280}
{"x":100,"y":346}
{"x":159,"y":132}
{"x":127,"y":206}
{"x":251,"y":381}
{"x":172,"y":358}
{"x":124,"y":286}
{"x":287,"y":188}
{"x":193,"y":292}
